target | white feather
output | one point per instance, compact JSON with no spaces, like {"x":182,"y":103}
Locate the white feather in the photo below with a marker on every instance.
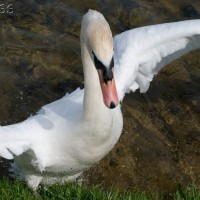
{"x":140,"y":53}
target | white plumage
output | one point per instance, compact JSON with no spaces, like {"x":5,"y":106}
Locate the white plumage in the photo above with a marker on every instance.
{"x":73,"y":133}
{"x":140,"y":53}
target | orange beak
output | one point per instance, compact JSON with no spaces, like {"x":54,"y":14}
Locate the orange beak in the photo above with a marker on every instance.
{"x":109,"y":91}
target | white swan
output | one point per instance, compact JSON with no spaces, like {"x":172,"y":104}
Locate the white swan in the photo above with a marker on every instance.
{"x":73,"y":133}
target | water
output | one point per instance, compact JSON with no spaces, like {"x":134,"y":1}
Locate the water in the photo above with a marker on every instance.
{"x":40,"y":61}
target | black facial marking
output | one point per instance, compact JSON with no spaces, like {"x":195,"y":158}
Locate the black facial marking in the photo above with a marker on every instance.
{"x":107,"y":73}
{"x":111,"y":63}
{"x":98,"y":63}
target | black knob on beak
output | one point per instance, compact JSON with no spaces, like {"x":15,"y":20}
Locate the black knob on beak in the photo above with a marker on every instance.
{"x":107,"y":75}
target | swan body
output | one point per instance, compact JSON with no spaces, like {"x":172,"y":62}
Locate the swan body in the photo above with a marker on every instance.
{"x":73,"y":133}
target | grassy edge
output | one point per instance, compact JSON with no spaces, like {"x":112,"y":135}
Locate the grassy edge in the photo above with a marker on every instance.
{"x":18,"y":191}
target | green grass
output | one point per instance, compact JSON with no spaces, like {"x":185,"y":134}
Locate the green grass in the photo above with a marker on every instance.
{"x":17,"y":190}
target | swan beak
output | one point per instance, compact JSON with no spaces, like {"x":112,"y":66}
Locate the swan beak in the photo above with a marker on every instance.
{"x":109,"y":90}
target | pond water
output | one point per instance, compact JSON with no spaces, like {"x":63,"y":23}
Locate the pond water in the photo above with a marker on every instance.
{"x":40,"y":61}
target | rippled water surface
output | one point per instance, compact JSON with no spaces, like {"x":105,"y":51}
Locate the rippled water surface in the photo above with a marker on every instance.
{"x":40,"y":61}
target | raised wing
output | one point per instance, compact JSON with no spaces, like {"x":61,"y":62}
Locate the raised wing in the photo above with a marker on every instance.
{"x":140,"y":53}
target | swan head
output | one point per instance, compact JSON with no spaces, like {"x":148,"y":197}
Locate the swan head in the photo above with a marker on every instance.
{"x":100,"y":46}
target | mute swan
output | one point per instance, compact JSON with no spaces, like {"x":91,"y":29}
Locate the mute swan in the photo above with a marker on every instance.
{"x":75,"y":132}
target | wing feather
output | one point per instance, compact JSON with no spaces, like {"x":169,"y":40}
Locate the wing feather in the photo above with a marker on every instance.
{"x":36,"y":132}
{"x":11,"y":143}
{"x":141,"y":53}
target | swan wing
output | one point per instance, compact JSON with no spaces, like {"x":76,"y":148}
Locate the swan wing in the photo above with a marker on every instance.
{"x":140,"y":53}
{"x":12,"y":143}
{"x":38,"y":132}
{"x":10,"y":148}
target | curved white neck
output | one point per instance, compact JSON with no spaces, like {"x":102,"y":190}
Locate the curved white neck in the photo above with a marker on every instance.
{"x":93,"y":105}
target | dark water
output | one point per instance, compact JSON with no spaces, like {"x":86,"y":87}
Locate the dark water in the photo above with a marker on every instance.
{"x":40,"y":61}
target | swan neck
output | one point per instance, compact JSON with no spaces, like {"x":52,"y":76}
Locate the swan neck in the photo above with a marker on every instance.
{"x":93,"y":103}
